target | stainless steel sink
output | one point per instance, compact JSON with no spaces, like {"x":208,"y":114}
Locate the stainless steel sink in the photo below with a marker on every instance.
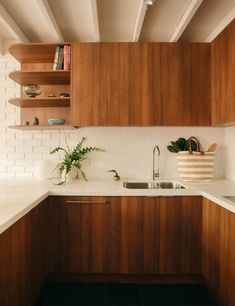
{"x":153,"y":185}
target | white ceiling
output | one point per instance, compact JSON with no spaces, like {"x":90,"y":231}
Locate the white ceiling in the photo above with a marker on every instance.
{"x":113,"y":20}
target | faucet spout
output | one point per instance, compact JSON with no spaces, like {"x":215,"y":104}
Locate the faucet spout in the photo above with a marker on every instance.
{"x":156,"y":173}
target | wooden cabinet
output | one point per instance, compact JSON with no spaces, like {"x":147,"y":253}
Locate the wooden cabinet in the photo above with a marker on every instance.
{"x":222,"y":77}
{"x":130,"y":235}
{"x":36,"y":68}
{"x":182,"y":84}
{"x":180,"y":235}
{"x":93,"y":234}
{"x":111,"y":85}
{"x":218,"y":255}
{"x":140,"y":84}
{"x":26,"y":257}
{"x":139,"y":235}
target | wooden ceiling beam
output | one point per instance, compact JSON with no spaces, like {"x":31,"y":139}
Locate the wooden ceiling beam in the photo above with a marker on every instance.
{"x":95,"y":19}
{"x":11,"y":25}
{"x":139,"y":21}
{"x":47,"y":12}
{"x":185,"y":20}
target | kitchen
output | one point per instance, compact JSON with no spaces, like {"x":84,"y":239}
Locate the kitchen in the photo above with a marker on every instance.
{"x":140,"y":230}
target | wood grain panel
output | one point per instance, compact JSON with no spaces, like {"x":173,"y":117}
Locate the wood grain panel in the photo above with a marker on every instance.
{"x":93,"y":235}
{"x":215,"y":246}
{"x":90,"y":83}
{"x":231,"y":260}
{"x":139,"y":235}
{"x":180,"y":235}
{"x":222,"y":77}
{"x":26,"y":257}
{"x":200,"y":84}
{"x":130,"y":85}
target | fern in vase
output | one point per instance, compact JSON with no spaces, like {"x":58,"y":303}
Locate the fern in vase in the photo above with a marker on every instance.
{"x":73,"y":158}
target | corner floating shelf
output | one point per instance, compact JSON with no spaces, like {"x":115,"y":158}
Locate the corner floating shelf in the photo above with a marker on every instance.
{"x":35,"y":52}
{"x":41,"y":102}
{"x":42,"y":127}
{"x":44,"y":77}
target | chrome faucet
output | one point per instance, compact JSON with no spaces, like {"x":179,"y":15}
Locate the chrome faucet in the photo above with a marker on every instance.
{"x":155,"y":173}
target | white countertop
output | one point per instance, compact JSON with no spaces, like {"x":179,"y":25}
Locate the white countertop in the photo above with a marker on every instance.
{"x":19,"y":196}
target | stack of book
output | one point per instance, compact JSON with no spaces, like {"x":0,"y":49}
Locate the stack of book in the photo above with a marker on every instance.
{"x":62,"y":58}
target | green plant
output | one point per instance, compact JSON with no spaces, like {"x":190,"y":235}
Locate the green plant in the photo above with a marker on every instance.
{"x":181,"y":144}
{"x":73,"y":158}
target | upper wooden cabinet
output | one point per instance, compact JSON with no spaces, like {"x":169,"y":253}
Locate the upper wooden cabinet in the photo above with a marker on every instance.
{"x":223,"y":77}
{"x":140,"y":84}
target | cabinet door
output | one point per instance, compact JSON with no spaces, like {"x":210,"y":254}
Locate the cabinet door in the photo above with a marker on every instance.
{"x":139,"y":235}
{"x":90,"y":84}
{"x":222,"y":73}
{"x":93,"y":234}
{"x":26,"y":257}
{"x":215,"y":249}
{"x":180,"y":235}
{"x":111,"y":85}
{"x":130,"y":85}
{"x":185,"y":84}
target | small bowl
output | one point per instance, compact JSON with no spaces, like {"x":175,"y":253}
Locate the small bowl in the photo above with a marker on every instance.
{"x":56,"y":121}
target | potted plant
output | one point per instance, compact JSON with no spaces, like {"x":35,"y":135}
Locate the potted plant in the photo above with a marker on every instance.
{"x":181,"y":144}
{"x":73,"y":159}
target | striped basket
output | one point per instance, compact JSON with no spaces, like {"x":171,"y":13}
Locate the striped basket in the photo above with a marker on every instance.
{"x":196,"y":165}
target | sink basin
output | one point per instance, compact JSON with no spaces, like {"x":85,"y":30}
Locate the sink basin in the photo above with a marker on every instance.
{"x":153,"y":185}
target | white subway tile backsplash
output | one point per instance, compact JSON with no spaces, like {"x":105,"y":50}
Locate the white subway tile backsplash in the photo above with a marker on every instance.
{"x":7,"y":149}
{"x":22,"y":135}
{"x":33,"y":156}
{"x":41,"y":136}
{"x":15,"y":142}
{"x":24,"y":149}
{"x":15,"y":169}
{"x":32,"y":142}
{"x":15,"y":156}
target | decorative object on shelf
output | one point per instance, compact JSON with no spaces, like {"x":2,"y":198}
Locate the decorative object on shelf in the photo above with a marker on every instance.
{"x":64,"y":94}
{"x":32,"y":90}
{"x":35,"y":121}
{"x":73,"y":158}
{"x":51,"y":95}
{"x":56,"y":121}
{"x":194,"y":165}
{"x":116,"y":175}
{"x":25,"y":123}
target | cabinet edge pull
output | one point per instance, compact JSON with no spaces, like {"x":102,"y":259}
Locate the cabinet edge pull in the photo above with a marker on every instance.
{"x":86,"y":202}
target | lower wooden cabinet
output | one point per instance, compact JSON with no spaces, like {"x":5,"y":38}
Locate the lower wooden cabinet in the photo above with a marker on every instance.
{"x":139,"y":243}
{"x":26,"y":257}
{"x":130,"y":235}
{"x":180,"y":235}
{"x":93,"y":234}
{"x":218,"y":251}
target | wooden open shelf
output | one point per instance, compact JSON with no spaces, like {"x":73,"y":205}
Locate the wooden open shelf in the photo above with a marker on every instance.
{"x":42,"y":127}
{"x":44,"y":77}
{"x":41,"y":102}
{"x":35,"y":53}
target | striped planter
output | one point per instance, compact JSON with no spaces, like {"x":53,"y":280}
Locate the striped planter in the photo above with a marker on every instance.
{"x":195,"y":166}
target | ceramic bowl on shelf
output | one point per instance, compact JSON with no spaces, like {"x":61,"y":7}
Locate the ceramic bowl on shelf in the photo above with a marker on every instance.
{"x":56,"y":121}
{"x":32,"y":90}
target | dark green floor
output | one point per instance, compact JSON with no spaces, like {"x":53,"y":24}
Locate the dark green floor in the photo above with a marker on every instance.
{"x":75,"y":294}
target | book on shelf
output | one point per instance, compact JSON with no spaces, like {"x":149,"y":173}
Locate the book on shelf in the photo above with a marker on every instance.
{"x":66,"y":57}
{"x":60,"y":61}
{"x":57,"y":50}
{"x":62,"y":58}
